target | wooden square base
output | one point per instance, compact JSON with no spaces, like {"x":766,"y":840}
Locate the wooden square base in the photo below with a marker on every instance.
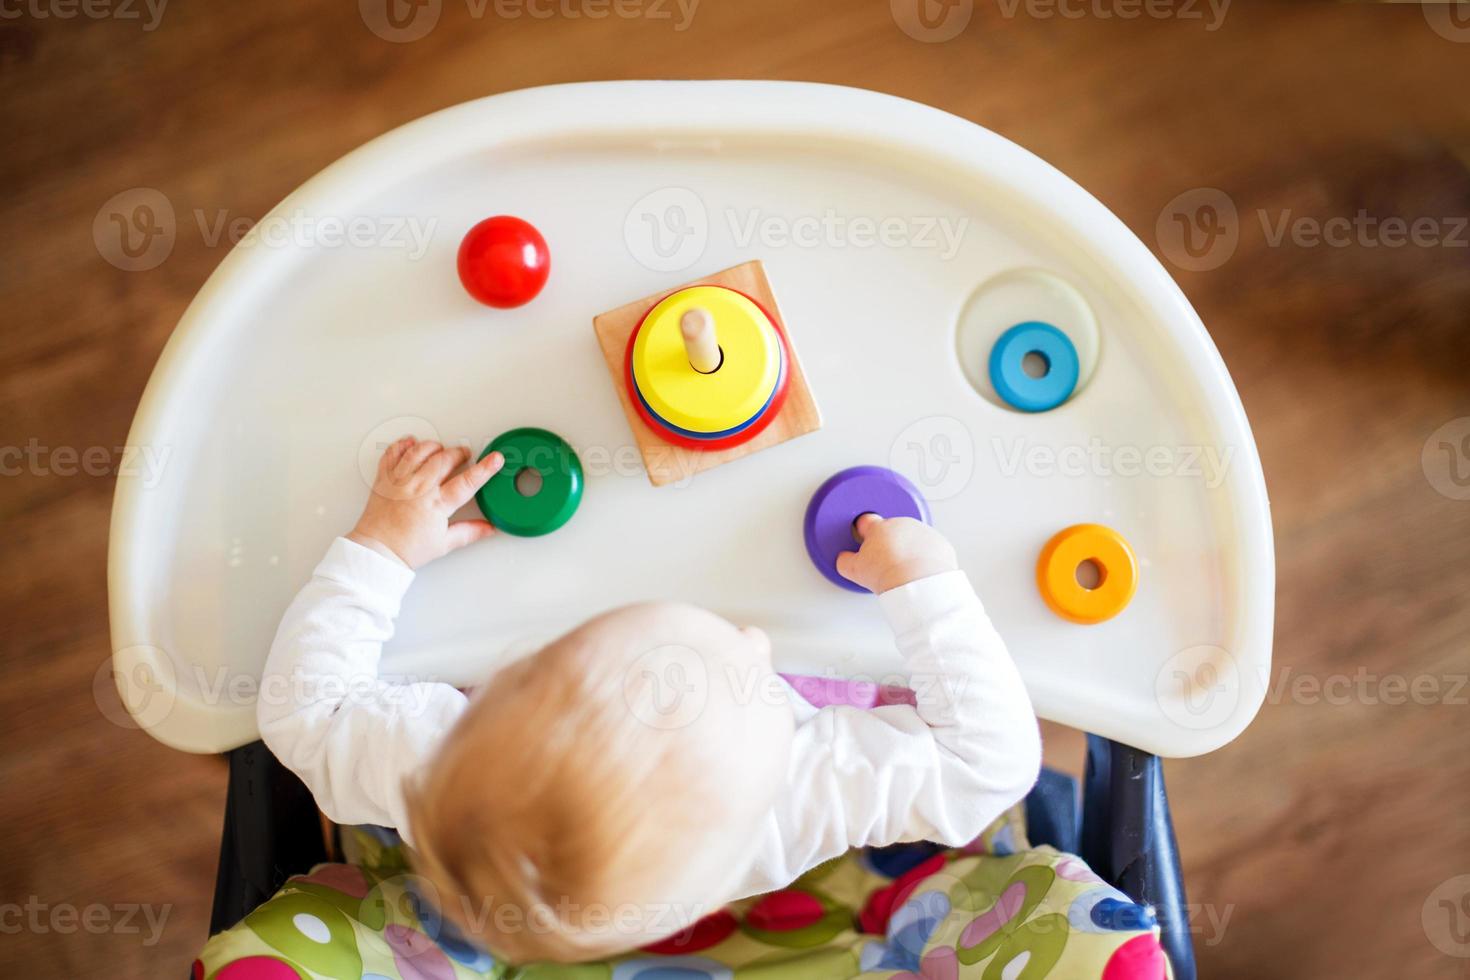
{"x":665,"y":462}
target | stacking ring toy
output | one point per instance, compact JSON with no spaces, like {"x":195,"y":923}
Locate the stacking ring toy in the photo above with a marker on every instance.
{"x":1019,"y":389}
{"x":1056,"y":573}
{"x":549,"y":508}
{"x":845,"y":497}
{"x":728,"y":434}
{"x":724,"y":399}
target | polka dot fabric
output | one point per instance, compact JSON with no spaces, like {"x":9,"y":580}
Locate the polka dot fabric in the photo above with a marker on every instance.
{"x":996,"y":908}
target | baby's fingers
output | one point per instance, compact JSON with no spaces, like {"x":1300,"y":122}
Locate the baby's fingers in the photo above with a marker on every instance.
{"x":459,"y":488}
{"x":445,"y":462}
{"x":462,"y":533}
{"x":413,"y":457}
{"x":864,"y":524}
{"x":848,"y":566}
{"x":393,"y":454}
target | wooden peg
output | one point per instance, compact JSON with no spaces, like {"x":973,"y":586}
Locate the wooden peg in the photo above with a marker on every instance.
{"x":698,"y":328}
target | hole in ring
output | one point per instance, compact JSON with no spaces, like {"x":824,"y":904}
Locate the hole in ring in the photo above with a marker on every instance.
{"x":528,"y":481}
{"x":1035,"y":364}
{"x":1091,"y":574}
{"x":855,"y":536}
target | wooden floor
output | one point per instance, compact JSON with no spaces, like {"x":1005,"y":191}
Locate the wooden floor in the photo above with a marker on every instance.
{"x":1311,"y":845}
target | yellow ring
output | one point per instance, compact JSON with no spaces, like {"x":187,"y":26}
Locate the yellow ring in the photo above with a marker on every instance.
{"x":723,"y":399}
{"x":1056,"y":573}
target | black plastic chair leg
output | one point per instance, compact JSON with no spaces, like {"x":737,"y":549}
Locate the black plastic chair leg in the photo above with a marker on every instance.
{"x":1128,"y":840}
{"x":271,"y":832}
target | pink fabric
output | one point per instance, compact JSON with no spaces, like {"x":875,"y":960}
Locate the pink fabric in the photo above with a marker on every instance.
{"x":823,"y":692}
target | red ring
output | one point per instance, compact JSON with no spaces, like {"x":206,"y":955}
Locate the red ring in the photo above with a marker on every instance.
{"x":778,"y":398}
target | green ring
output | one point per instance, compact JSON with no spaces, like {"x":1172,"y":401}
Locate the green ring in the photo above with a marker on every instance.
{"x":561,"y":483}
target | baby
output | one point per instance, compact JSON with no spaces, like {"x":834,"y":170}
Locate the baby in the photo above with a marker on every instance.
{"x":647,"y":767}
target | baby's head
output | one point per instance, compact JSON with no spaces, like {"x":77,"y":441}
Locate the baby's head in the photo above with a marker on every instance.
{"x":608,"y":790}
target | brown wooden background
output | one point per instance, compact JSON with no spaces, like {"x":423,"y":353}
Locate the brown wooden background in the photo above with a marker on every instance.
{"x":1320,"y":834}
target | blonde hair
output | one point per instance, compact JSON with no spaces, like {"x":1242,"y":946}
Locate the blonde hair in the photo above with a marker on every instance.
{"x":544,"y":803}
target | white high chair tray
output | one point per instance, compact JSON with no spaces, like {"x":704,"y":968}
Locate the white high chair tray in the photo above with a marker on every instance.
{"x":298,"y":361}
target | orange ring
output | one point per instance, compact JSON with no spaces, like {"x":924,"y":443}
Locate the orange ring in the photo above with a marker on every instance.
{"x":1056,"y":573}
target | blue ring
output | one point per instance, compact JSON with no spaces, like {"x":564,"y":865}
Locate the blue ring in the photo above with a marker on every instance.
{"x":1019,"y":389}
{"x":689,"y":434}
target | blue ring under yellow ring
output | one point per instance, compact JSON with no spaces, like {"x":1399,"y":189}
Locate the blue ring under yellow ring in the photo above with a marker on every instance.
{"x":706,"y":403}
{"x":714,"y":435}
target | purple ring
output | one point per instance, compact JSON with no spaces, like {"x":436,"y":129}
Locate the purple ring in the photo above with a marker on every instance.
{"x":842,"y":499}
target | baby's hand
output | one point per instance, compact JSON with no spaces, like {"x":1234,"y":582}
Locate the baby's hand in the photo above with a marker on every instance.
{"x":419,"y":484}
{"x":895,"y":552}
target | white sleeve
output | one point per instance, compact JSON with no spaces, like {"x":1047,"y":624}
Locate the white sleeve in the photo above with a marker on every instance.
{"x":940,"y":771}
{"x":350,"y":734}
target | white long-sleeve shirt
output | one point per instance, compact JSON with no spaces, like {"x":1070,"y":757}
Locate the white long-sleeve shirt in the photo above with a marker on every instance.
{"x":940,"y":770}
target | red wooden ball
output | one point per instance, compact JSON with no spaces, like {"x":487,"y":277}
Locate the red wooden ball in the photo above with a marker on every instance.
{"x":503,"y":262}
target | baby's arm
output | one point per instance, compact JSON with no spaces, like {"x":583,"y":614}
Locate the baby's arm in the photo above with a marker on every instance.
{"x":941,"y":770}
{"x":351,"y":735}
